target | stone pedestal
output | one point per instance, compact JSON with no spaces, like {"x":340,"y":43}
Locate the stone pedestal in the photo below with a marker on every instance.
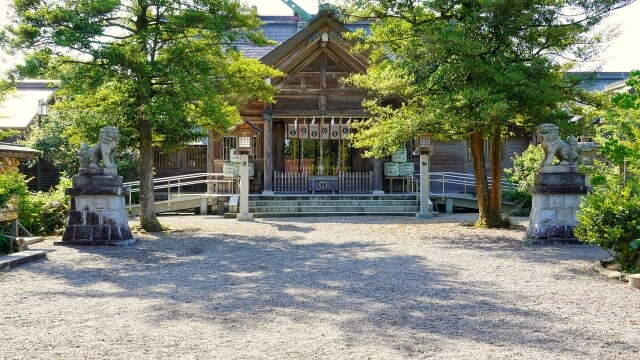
{"x":97,"y":215}
{"x":556,"y":199}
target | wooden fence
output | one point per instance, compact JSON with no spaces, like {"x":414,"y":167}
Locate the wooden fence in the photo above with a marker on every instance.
{"x":301,"y":183}
{"x":293,"y":183}
{"x":355,"y":182}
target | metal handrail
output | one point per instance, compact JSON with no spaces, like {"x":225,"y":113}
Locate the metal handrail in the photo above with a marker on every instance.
{"x":464,"y":179}
{"x":177,"y":182}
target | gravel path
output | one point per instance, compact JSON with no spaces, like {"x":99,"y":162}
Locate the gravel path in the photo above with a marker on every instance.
{"x":318,"y":288}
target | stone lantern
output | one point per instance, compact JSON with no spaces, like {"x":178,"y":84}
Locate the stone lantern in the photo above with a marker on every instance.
{"x":424,"y":147}
{"x":244,"y":133}
{"x":587,"y":150}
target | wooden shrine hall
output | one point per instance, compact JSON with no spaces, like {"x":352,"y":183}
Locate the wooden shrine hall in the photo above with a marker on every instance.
{"x":300,"y":144}
{"x":303,"y":137}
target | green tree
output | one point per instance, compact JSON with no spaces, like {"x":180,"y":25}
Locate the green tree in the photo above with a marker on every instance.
{"x":620,"y":132}
{"x":6,"y":87}
{"x":469,"y":70}
{"x":158,"y":70}
{"x":609,"y":216}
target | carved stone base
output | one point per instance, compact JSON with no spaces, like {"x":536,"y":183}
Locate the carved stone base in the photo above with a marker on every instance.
{"x":555,"y":203}
{"x":97,"y":215}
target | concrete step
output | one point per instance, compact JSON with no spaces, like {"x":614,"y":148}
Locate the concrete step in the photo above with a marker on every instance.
{"x":19,"y":258}
{"x":264,"y":203}
{"x":288,"y":214}
{"x":332,"y":209}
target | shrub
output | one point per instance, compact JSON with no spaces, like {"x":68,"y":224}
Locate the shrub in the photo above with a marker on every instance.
{"x":13,"y":185}
{"x":610,"y":218}
{"x":45,"y":212}
{"x":4,"y":245}
{"x":521,"y":175}
{"x":40,"y":213}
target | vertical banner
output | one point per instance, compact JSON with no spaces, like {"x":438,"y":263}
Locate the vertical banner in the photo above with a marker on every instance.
{"x":335,"y":132}
{"x":314,"y":132}
{"x":345,"y":131}
{"x":325,"y":131}
{"x":292,"y":131}
{"x":303,"y":131}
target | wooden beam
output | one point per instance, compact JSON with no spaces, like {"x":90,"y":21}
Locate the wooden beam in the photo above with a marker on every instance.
{"x":309,"y":113}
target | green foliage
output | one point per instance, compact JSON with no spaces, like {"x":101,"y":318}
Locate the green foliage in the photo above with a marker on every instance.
{"x":610,"y":218}
{"x":525,"y":166}
{"x":456,"y":69}
{"x":39,"y":213}
{"x":5,"y":243}
{"x":620,"y":132}
{"x":159,"y":71}
{"x":13,"y":187}
{"x":44,"y":212}
{"x":518,"y":196}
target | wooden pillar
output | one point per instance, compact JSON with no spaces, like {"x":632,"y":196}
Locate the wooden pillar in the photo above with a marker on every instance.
{"x":268,"y":150}
{"x":278,"y":146}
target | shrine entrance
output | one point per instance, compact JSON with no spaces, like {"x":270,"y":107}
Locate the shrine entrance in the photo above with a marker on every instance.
{"x":315,"y":148}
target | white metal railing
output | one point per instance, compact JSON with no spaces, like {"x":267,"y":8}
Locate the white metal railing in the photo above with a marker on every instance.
{"x":216,"y":183}
{"x":221,"y":184}
{"x":465,"y":181}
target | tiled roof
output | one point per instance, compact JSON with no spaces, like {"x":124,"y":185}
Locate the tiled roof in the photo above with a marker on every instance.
{"x":280,"y":29}
{"x":17,"y":151}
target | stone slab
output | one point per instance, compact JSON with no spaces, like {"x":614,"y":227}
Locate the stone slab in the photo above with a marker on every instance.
{"x":559,"y":169}
{"x":125,"y":242}
{"x":547,"y":179}
{"x":583,"y":190}
{"x":571,"y":241}
{"x":20,"y":258}
{"x":96,"y":181}
{"x":96,"y":191}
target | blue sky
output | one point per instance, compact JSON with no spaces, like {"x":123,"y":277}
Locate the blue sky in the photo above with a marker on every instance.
{"x":623,"y":54}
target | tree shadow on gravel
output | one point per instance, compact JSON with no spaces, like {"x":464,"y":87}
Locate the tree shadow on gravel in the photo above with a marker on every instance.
{"x":243,"y":283}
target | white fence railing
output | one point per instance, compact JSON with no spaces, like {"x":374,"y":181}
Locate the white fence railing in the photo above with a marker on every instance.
{"x":449,"y":182}
{"x":299,"y":183}
{"x":174,"y":186}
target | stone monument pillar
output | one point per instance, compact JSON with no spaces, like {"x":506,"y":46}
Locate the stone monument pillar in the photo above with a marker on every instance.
{"x":557,"y":191}
{"x":97,"y":215}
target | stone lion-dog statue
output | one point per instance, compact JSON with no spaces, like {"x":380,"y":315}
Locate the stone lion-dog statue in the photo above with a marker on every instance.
{"x":104,"y":150}
{"x":553,"y":146}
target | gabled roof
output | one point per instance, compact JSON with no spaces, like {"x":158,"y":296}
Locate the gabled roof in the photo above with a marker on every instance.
{"x":245,"y":124}
{"x":282,"y":28}
{"x":324,"y":18}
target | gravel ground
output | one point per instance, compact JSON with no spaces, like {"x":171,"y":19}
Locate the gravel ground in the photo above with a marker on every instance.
{"x":319,"y":288}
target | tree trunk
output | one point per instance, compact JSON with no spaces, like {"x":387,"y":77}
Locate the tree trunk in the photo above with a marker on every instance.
{"x":489,"y":199}
{"x":148,"y":219}
{"x":480,"y":176}
{"x":495,"y":202}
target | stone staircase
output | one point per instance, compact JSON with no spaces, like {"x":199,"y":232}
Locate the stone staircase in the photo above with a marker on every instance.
{"x":331,"y":205}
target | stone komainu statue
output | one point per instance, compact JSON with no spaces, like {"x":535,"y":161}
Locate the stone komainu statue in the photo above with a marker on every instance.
{"x":553,"y":146}
{"x":104,"y":150}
